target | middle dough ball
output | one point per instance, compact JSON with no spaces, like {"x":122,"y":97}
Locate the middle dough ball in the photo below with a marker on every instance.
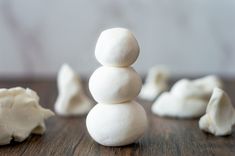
{"x":114,"y":85}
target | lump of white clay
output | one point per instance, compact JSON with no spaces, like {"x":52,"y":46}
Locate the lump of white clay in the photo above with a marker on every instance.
{"x":116,"y":124}
{"x":116,"y":47}
{"x":187,"y":98}
{"x":169,"y":105}
{"x":155,"y":83}
{"x":114,"y":85}
{"x":72,"y":99}
{"x":201,"y":88}
{"x":20,"y":115}
{"x":220,"y":114}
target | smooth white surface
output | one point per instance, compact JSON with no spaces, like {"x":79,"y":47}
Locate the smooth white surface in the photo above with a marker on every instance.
{"x":71,"y":100}
{"x":155,"y":83}
{"x":187,"y":98}
{"x":220,"y":114}
{"x":117,"y":124}
{"x":20,"y":114}
{"x":116,"y":47}
{"x":114,"y":85}
{"x":191,"y":37}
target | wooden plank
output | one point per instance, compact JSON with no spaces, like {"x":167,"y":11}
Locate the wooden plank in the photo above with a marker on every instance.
{"x":165,"y":136}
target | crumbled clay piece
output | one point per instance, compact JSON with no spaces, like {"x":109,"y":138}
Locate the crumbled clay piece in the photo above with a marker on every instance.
{"x":187,"y":98}
{"x":220,"y":114}
{"x":20,"y":114}
{"x":72,"y":100}
{"x":156,"y":82}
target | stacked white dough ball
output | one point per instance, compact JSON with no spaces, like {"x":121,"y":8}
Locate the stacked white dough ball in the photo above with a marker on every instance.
{"x":116,"y":120}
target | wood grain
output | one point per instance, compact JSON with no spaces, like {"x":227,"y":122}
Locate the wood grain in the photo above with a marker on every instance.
{"x":165,"y":136}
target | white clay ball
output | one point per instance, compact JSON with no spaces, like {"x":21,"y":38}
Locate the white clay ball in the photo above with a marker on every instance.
{"x":117,"y":124}
{"x":114,"y":85}
{"x":117,"y":47}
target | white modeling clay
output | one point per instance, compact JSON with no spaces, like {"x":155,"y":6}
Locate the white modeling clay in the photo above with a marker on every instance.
{"x":116,"y":124}
{"x":155,"y":83}
{"x":169,"y":105}
{"x":114,"y":85}
{"x":72,"y":99}
{"x":117,"y":47}
{"x":20,"y":115}
{"x":187,"y":98}
{"x":220,"y":114}
{"x":116,"y":120}
{"x":201,"y":88}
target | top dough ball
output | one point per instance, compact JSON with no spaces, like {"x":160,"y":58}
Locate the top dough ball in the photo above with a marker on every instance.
{"x":117,"y":47}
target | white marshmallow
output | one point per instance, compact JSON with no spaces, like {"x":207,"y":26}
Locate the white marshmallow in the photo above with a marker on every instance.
{"x":20,"y":115}
{"x":116,"y":124}
{"x":220,"y":114}
{"x":72,"y":99}
{"x":187,"y":99}
{"x":117,"y":47}
{"x":114,"y":85}
{"x":155,"y":83}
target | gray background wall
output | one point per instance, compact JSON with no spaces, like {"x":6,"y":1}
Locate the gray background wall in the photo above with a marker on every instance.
{"x":191,"y":37}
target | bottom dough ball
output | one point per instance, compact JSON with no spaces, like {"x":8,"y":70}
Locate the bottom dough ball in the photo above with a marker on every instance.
{"x":117,"y":124}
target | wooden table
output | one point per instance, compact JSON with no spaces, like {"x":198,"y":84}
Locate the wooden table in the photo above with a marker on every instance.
{"x":165,"y":136}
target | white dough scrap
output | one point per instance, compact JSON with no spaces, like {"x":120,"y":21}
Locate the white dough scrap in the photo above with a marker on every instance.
{"x":155,"y":83}
{"x":72,"y":99}
{"x":187,"y":98}
{"x":173,"y":106}
{"x":20,"y":114}
{"x":220,"y":114}
{"x":200,"y":88}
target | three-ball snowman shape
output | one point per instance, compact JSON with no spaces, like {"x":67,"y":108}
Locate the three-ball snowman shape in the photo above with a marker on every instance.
{"x":116,"y":120}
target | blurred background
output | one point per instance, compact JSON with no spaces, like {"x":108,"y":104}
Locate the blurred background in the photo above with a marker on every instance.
{"x":190,"y":37}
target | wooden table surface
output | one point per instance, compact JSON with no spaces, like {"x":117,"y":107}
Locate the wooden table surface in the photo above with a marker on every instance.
{"x":165,"y":136}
